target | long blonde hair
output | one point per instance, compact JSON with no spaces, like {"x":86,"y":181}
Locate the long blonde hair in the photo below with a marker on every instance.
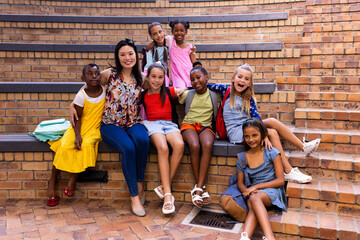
{"x":245,"y":103}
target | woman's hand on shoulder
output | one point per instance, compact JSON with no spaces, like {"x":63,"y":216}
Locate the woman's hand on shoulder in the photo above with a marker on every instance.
{"x":105,"y":74}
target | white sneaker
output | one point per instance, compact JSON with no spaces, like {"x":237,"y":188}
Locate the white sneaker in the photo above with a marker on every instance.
{"x":309,"y":147}
{"x":244,"y":236}
{"x":296,"y":176}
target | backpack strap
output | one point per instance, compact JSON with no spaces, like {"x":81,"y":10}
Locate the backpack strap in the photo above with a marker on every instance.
{"x":189,"y":98}
{"x":142,"y":97}
{"x":214,"y":100}
{"x":242,"y":158}
{"x":174,"y":114}
{"x":143,"y":61}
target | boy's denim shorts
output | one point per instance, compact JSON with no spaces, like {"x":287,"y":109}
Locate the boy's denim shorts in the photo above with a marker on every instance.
{"x":160,"y":126}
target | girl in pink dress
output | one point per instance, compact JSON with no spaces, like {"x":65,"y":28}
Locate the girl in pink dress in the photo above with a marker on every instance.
{"x":182,"y":54}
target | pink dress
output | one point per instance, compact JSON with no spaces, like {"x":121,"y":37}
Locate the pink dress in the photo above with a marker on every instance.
{"x":180,"y":65}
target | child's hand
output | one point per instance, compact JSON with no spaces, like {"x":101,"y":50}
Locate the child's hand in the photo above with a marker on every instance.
{"x":78,"y":142}
{"x":250,"y":190}
{"x":180,"y":92}
{"x":247,"y":94}
{"x":266,"y":142}
{"x":193,"y":49}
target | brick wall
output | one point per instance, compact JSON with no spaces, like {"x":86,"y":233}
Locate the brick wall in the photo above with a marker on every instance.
{"x":158,"y":8}
{"x":22,"y":112}
{"x":26,"y":175}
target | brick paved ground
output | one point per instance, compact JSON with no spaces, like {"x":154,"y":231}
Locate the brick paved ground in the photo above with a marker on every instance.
{"x":96,"y":219}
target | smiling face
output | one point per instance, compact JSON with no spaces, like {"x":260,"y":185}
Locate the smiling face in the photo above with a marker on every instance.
{"x":91,"y":76}
{"x":252,"y":137}
{"x":156,"y":79}
{"x":127,"y":56}
{"x":199,"y":81}
{"x":179,"y":33}
{"x":241,"y":80}
{"x":157,"y":34}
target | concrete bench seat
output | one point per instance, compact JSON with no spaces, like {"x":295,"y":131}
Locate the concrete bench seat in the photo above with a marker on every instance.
{"x":27,"y":143}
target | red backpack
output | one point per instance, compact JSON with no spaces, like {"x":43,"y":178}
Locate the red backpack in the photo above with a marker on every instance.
{"x":220,"y":124}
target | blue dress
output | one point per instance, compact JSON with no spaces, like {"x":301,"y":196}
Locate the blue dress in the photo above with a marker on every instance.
{"x":265,"y":173}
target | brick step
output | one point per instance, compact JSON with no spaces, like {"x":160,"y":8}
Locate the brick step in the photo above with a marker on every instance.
{"x":327,"y":166}
{"x":329,"y":100}
{"x":325,"y":196}
{"x":59,"y":29}
{"x":308,"y":224}
{"x":327,"y":118}
{"x":333,"y":140}
{"x":145,"y":7}
{"x":329,"y":84}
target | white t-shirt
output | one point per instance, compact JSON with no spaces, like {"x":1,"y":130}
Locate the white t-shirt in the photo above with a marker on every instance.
{"x":80,"y":100}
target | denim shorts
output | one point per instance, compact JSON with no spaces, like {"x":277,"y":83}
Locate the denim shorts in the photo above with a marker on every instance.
{"x":160,"y":126}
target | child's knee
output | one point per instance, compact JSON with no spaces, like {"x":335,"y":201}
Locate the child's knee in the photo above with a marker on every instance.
{"x":272,"y":132}
{"x":194,"y":146}
{"x":178,"y":145}
{"x":162,"y":149}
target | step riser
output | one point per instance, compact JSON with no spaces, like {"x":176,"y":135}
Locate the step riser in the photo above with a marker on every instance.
{"x":336,"y":104}
{"x":324,"y":206}
{"x":322,"y":124}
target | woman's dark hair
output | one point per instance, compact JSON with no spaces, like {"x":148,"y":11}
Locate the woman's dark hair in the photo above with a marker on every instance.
{"x":162,"y":89}
{"x":174,"y":22}
{"x":90,"y":65}
{"x":155,"y":53}
{"x":118,"y":68}
{"x":255,"y":123}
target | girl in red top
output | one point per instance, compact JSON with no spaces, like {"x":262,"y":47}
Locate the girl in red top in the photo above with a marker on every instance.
{"x":162,"y":128}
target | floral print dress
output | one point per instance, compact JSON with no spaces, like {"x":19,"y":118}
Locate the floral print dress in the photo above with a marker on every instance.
{"x":121,"y":102}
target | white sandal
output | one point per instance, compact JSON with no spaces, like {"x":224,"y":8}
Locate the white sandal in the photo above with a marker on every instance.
{"x":166,"y":204}
{"x":159,"y":191}
{"x":205,"y":195}
{"x":195,"y":197}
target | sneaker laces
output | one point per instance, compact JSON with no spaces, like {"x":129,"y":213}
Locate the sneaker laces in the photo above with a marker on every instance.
{"x":309,"y":147}
{"x":298,"y":174}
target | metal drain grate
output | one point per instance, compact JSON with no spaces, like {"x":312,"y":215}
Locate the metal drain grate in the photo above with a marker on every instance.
{"x":213,"y":219}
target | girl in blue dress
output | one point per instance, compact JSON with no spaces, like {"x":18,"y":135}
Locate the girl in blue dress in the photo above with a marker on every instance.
{"x":261,"y":180}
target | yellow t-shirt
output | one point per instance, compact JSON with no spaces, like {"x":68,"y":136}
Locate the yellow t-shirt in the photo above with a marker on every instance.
{"x":200,"y":110}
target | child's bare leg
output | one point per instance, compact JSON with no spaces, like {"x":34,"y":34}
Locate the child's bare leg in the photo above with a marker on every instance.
{"x":250,"y":221}
{"x":72,"y":182}
{"x":52,"y":182}
{"x":275,"y":141}
{"x":160,"y":143}
{"x":258,"y":203}
{"x":177,"y":144}
{"x":192,"y":139}
{"x":207,"y":139}
{"x":283,"y":131}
